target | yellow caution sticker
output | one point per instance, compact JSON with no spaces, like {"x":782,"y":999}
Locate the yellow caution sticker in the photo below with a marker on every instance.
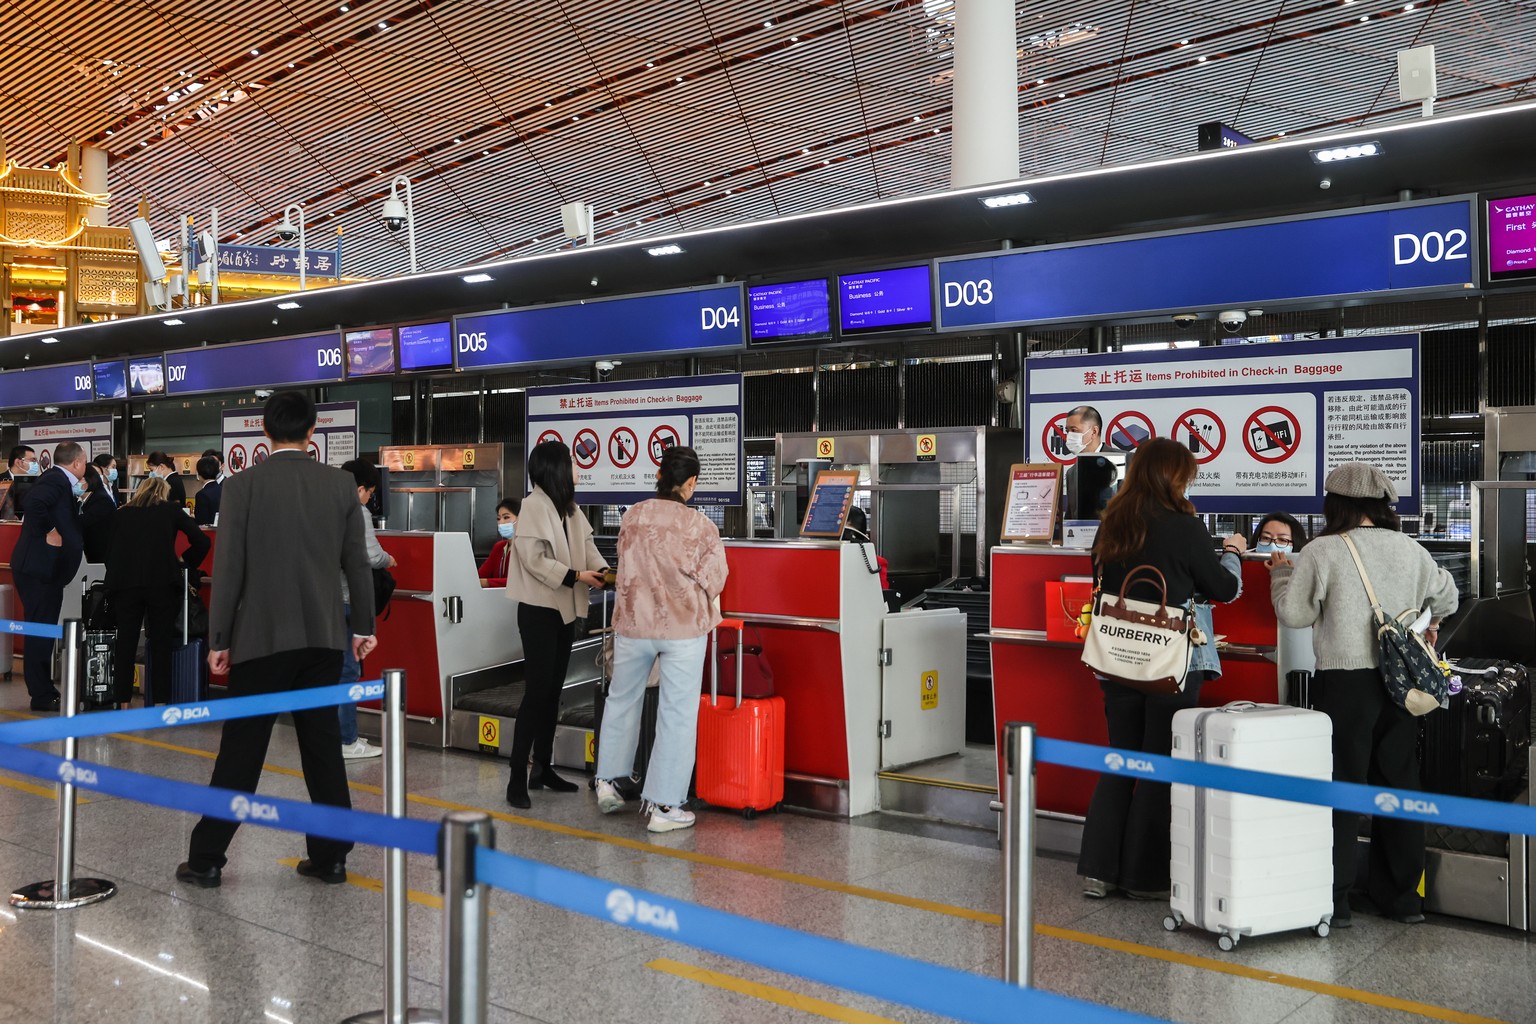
{"x":826,"y":447}
{"x":927,"y":447}
{"x":490,"y":732}
{"x":469,"y":458}
{"x":591,"y":748}
{"x":929,"y":699}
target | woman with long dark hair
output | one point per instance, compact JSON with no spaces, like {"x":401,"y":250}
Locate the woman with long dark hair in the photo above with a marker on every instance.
{"x":553,"y":566}
{"x":1374,"y":740}
{"x":671,"y":569}
{"x":1149,"y":521}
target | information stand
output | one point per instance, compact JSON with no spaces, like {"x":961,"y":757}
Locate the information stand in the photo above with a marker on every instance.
{"x":828,"y":508}
{"x":1034,"y":493}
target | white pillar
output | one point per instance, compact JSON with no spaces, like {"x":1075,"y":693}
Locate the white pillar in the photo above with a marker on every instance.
{"x":985,"y":136}
{"x":93,"y":178}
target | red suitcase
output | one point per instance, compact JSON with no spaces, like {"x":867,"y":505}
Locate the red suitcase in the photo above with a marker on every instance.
{"x":741,"y":745}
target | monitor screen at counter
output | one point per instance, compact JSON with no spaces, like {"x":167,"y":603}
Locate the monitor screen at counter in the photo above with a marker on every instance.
{"x":791,"y":311}
{"x":885,"y":300}
{"x":370,"y":352}
{"x":111,"y":379}
{"x":146,"y":377}
{"x":1511,"y":238}
{"x":426,"y":346}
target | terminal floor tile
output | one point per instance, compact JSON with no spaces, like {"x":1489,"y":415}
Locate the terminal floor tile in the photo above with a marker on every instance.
{"x":269,"y":947}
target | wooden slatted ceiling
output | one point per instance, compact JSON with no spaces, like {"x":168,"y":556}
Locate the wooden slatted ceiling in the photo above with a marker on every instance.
{"x":552,"y":101}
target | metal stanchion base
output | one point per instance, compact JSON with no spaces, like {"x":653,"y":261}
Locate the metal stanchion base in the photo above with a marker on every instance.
{"x":82,"y":893}
{"x":415,"y":1015}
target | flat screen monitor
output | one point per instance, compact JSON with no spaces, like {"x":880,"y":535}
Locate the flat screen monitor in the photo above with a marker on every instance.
{"x":878,"y":301}
{"x":370,"y":352}
{"x":111,"y":379}
{"x":426,"y":346}
{"x":791,"y":311}
{"x":1512,"y":238}
{"x":146,"y":376}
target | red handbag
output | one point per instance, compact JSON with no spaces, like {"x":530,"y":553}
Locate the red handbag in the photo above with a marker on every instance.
{"x":756,"y":673}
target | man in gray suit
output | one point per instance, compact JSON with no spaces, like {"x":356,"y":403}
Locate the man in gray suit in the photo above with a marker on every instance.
{"x":288,"y":530}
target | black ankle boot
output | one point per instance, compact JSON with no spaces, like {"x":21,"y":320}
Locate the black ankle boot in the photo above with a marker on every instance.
{"x":544,"y":777}
{"x":517,"y":790}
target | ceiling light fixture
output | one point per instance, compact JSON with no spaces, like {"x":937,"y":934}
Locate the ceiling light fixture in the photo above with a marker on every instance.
{"x":477,"y":278}
{"x":664,"y":250}
{"x":255,"y":53}
{"x":173,"y":322}
{"x":288,"y":305}
{"x":50,"y":341}
{"x":1011,"y":199}
{"x":1350,"y":152}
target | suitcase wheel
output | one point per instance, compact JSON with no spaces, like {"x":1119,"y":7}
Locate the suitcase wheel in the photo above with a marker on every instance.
{"x":1226,"y":943}
{"x":1172,"y":922}
{"x":749,"y":813}
{"x":1321,"y":929}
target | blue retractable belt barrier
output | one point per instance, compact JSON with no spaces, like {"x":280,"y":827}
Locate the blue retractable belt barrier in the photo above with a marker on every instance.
{"x":45,"y":630}
{"x":1436,"y":808}
{"x":411,"y":834}
{"x":41,"y":730}
{"x":898,"y":979}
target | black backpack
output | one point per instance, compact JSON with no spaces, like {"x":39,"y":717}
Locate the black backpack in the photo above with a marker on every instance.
{"x":383,"y":589}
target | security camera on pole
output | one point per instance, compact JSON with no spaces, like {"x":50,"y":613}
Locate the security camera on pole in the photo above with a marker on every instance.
{"x":399,"y":215}
{"x":287,"y":231}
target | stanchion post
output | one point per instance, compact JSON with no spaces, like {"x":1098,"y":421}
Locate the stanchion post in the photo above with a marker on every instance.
{"x":465,"y":917}
{"x":397,"y":1008}
{"x":1019,"y":854}
{"x":64,"y":891}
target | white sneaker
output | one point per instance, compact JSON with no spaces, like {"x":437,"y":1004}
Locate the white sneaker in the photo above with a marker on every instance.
{"x":669,"y":819}
{"x":360,"y":749}
{"x":608,"y":798}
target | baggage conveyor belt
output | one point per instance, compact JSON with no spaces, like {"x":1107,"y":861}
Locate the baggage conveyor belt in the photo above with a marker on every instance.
{"x":486,"y":703}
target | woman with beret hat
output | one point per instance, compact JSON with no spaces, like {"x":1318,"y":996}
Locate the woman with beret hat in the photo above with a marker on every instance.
{"x":1374,"y":740}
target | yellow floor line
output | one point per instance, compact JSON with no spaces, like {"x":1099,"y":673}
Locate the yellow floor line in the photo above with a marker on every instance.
{"x":51,"y":792}
{"x":424,"y":899}
{"x":896,"y":899}
{"x":767,"y":993}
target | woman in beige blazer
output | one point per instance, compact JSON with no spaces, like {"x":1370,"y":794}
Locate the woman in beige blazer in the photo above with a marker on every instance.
{"x":553,"y":565}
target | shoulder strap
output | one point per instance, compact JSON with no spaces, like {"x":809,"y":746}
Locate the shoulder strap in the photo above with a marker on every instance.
{"x":1370,"y":592}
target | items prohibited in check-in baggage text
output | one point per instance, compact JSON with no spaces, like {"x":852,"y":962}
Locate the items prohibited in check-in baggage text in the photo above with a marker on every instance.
{"x":662,"y":438}
{"x":1128,"y":430}
{"x":586,"y":448}
{"x":1054,"y":441}
{"x":1202,"y":432}
{"x":623,"y":447}
{"x":1272,"y":434}
{"x":549,"y":435}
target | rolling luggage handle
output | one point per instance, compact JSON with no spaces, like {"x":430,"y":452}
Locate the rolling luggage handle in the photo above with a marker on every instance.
{"x":740,"y":626}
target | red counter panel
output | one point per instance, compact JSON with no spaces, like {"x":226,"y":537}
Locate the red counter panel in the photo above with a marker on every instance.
{"x":771,"y":580}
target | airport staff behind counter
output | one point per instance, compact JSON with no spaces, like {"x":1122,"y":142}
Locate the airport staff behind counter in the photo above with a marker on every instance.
{"x":1091,"y":479}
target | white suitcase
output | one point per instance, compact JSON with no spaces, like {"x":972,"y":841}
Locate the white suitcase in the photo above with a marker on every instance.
{"x":1251,"y":865}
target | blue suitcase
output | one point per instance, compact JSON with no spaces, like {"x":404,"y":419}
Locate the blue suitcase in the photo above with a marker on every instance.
{"x":189,"y":662}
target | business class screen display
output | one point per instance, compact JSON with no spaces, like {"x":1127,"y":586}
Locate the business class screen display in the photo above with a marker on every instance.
{"x":1512,"y":238}
{"x":426,"y":346}
{"x":146,"y":377}
{"x":370,"y":352}
{"x":885,"y":300}
{"x":791,"y":311}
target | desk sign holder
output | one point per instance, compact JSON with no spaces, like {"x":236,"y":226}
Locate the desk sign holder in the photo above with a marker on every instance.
{"x":1034,"y":492}
{"x":827,"y":511}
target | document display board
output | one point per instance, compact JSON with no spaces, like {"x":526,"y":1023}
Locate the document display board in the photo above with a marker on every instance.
{"x":827,"y":511}
{"x":1034,"y":494}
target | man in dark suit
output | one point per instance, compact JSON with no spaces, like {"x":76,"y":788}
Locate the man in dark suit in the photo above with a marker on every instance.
{"x":46,"y":557}
{"x":208,"y":495}
{"x":21,"y":472}
{"x":289,"y":529}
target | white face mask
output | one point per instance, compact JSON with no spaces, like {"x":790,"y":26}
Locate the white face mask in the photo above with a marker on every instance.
{"x":1265,"y":548}
{"x":1076,"y":441}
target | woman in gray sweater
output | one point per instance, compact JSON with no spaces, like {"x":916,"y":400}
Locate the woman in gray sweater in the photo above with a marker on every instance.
{"x":1374,"y":740}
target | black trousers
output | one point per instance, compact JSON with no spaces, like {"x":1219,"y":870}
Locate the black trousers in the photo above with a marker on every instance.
{"x":244,"y":748}
{"x":131,"y":605}
{"x":1374,"y":742}
{"x":1125,"y":839}
{"x":547,"y":643}
{"x":42,"y":602}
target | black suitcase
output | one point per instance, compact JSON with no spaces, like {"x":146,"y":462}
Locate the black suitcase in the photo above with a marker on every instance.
{"x":1298,"y":690}
{"x":1478,"y":746}
{"x":629,"y":788}
{"x":97,"y":689}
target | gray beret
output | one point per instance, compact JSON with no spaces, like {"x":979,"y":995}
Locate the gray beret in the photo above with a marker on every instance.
{"x":1359,"y":480}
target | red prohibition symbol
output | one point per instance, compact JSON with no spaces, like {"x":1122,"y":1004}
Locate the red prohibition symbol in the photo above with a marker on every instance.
{"x":623,"y":447}
{"x":586,"y":448}
{"x":1272,"y":434}
{"x":1203,"y":432}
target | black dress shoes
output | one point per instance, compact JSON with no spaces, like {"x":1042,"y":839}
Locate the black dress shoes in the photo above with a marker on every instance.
{"x":330,"y":874}
{"x":517,"y":791}
{"x":46,"y":705}
{"x":544,"y":777}
{"x":206,"y":879}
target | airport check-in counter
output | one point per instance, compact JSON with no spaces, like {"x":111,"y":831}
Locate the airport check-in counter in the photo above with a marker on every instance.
{"x":1044,"y":681}
{"x":862,"y":689}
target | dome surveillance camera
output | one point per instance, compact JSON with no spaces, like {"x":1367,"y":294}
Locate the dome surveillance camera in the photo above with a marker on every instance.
{"x":286,"y":231}
{"x":605,"y":366}
{"x":1185,"y":318}
{"x":1232,"y":319}
{"x":394,"y":214}
{"x":263,"y":393}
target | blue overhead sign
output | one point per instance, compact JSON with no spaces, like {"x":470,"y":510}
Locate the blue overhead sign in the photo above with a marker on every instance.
{"x":695,"y":320}
{"x":1386,"y":249}
{"x":312,"y":359}
{"x":47,"y":385}
{"x":273,"y":259}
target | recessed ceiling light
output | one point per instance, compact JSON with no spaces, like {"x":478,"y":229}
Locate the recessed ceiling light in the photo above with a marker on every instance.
{"x":917,"y":117}
{"x":1202,"y":58}
{"x":679,"y":78}
{"x":650,"y":63}
{"x":50,"y":341}
{"x":1183,"y":42}
{"x":173,"y":322}
{"x":477,"y":278}
{"x":383,"y":25}
{"x":1011,"y":199}
{"x":767,"y":24}
{"x":664,"y":250}
{"x":344,"y":8}
{"x":255,"y":53}
{"x":290,"y":64}
{"x":1350,"y":152}
{"x":109,"y":131}
{"x":1365,"y":17}
{"x":290,"y":304}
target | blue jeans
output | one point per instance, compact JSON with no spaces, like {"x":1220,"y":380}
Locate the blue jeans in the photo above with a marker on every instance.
{"x":351,"y":672}
{"x":677,"y":714}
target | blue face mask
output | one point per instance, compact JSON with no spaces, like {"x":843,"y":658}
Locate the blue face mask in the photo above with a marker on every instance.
{"x":79,"y":488}
{"x":112,"y":475}
{"x":33,"y":468}
{"x":507,"y":530}
{"x":1266,"y":548}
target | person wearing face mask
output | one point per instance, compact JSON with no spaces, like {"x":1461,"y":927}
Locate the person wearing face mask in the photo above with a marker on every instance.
{"x":106,"y":465}
{"x":207,"y":509}
{"x":22,"y":472}
{"x":493,"y":571}
{"x":96,"y":514}
{"x":1295,"y":659}
{"x":1090,"y":480}
{"x":164,"y":467}
{"x":45,"y":559}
